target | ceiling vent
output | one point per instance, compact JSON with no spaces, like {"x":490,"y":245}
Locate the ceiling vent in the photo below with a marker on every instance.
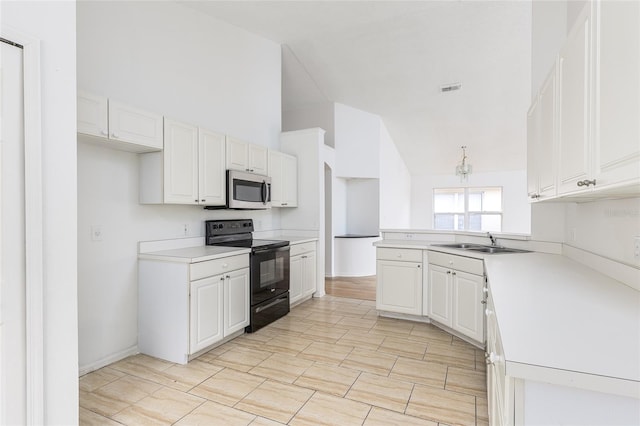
{"x":450,"y":87}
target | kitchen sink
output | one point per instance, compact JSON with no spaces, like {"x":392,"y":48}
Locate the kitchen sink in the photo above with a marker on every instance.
{"x":482,"y":248}
{"x":460,"y":246}
{"x":493,"y":250}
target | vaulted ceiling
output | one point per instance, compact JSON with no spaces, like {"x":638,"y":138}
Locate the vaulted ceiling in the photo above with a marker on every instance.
{"x":391,"y":58}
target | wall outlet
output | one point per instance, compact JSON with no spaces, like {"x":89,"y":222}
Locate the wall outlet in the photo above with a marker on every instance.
{"x":636,"y":248}
{"x":186,"y":229}
{"x":96,"y":232}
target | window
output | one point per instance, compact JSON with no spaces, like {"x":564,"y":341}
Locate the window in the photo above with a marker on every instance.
{"x":468,"y":209}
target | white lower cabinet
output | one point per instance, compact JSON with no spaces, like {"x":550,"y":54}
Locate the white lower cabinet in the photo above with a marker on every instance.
{"x":455,"y":293}
{"x":302,"y":271}
{"x":184,"y":308}
{"x":399,"y":280}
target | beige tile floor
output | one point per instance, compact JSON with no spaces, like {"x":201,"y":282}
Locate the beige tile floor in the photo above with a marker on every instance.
{"x":330,"y":361}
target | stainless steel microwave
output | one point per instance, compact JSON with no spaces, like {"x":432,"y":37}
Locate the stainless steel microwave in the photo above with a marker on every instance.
{"x":248,"y":191}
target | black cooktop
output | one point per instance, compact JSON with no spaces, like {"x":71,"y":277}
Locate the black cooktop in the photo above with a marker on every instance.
{"x":237,"y":233}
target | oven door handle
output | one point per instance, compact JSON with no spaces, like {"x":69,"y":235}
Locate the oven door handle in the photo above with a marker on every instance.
{"x":273,"y":250}
{"x":275,"y":302}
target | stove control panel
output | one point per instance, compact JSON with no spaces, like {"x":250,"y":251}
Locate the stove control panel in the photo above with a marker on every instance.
{"x":228,"y":227}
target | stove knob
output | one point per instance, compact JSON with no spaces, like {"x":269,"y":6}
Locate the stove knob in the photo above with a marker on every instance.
{"x":221,"y":226}
{"x":215,"y":226}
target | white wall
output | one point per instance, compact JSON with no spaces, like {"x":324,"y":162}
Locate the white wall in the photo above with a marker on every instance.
{"x":516,"y":217}
{"x":607,"y":228}
{"x":357,"y":136}
{"x":315,"y":115}
{"x":363,"y":199}
{"x":549,"y":30}
{"x":183,"y":65}
{"x":395,"y":185}
{"x":54,"y":24}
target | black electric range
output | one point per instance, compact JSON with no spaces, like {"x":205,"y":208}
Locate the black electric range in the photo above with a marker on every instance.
{"x":269,"y":268}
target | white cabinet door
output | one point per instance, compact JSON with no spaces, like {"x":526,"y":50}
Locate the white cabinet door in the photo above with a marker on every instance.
{"x":617,"y":92}
{"x":92,"y":115}
{"x":180,"y":158}
{"x":295,"y":278}
{"x":309,"y":273}
{"x":399,"y":287}
{"x":237,"y":154}
{"x":533,"y":141}
{"x":133,"y":125}
{"x":206,"y":307}
{"x":211,"y":168}
{"x":257,"y":159}
{"x":283,"y":170}
{"x":277,"y":178}
{"x":467,"y":305}
{"x":546,"y":151}
{"x":236,"y":301}
{"x":290,"y":180}
{"x":574,"y":161}
{"x":440,"y":295}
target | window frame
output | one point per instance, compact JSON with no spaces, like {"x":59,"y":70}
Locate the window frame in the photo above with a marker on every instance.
{"x":466,"y":214}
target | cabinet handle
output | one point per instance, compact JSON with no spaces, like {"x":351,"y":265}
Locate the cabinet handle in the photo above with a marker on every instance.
{"x":115,"y":135}
{"x":203,"y":200}
{"x":535,"y":196}
{"x":419,"y":266}
{"x":448,"y":272}
{"x":586,"y":182}
{"x":228,"y":277}
{"x":196,"y":200}
{"x":492,"y":358}
{"x":283,"y":204}
{"x":484,"y":302}
{"x":104,"y":133}
{"x":485,"y":290}
{"x":488,"y":312}
{"x":453,"y":273}
{"x":221,"y":278}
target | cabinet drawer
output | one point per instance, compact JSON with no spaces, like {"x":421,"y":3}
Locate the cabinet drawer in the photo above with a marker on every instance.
{"x":218,"y":266}
{"x":460,"y":263}
{"x":405,"y":255}
{"x":297,"y":249}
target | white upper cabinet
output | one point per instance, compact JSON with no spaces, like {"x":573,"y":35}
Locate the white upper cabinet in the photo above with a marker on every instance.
{"x":617,"y":93}
{"x":283,"y":170}
{"x":573,"y":100}
{"x":190,"y":170}
{"x":118,"y":125}
{"x":246,"y":157}
{"x":598,"y":105}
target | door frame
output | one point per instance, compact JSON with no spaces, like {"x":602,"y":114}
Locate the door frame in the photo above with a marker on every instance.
{"x":34,"y":275}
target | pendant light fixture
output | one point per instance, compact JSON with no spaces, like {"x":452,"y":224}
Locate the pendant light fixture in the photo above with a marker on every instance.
{"x":463,"y":169}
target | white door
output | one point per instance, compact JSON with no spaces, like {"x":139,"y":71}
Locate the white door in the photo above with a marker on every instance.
{"x":236,"y":301}
{"x":211,"y":168}
{"x":399,"y":287}
{"x":467,"y":306}
{"x":309,"y":273}
{"x":12,"y":234}
{"x":206,"y":305}
{"x":180,"y":163}
{"x":440,"y":294}
{"x":295,"y":278}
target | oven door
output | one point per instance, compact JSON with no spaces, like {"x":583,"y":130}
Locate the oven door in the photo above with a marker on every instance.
{"x":248,"y":191}
{"x":269,"y":274}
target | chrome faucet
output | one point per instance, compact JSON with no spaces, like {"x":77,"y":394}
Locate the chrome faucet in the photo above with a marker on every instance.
{"x":494,"y":240}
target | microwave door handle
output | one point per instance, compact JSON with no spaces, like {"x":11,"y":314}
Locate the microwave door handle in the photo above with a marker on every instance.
{"x":264,"y":192}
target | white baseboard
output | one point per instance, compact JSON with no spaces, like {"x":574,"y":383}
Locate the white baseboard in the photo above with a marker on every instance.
{"x":108,"y":360}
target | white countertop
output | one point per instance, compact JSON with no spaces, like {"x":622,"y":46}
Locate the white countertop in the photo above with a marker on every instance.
{"x":556,"y":313}
{"x":193,"y":254}
{"x":201,"y":253}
